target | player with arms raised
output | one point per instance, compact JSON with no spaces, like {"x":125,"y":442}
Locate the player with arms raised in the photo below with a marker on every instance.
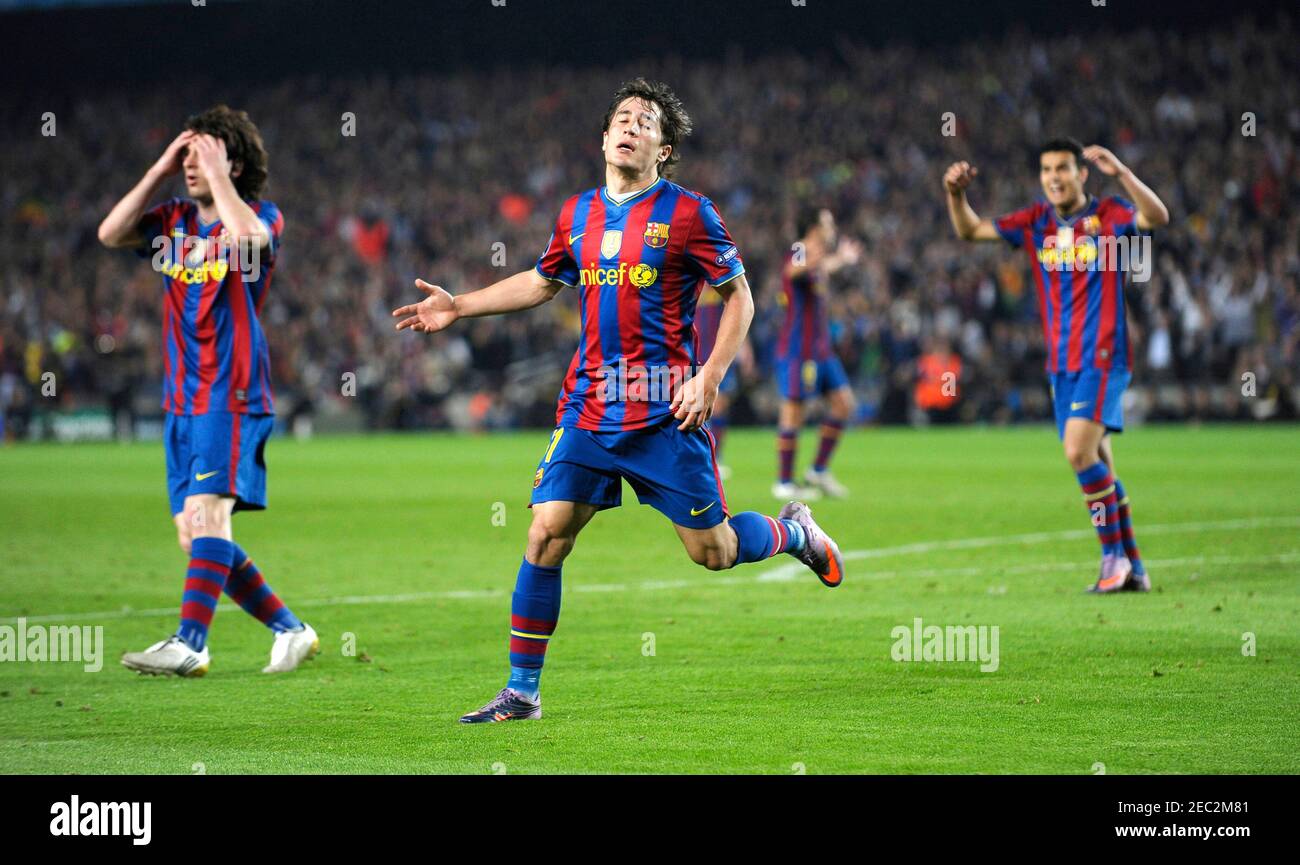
{"x":806,"y":365}
{"x":638,"y":249}
{"x":1072,"y":239}
{"x":216,"y":251}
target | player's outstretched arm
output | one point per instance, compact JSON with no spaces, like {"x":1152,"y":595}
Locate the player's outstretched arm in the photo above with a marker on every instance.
{"x":965,"y":221}
{"x":122,"y":225}
{"x":1152,"y":212}
{"x":440,"y":309}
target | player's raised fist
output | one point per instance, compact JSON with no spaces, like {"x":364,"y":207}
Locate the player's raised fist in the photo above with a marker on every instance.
{"x":170,"y":161}
{"x":430,"y":315}
{"x":958,"y":177}
{"x":1107,"y":163}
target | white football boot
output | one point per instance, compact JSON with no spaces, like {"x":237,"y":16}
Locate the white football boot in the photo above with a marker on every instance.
{"x":170,"y":657}
{"x":291,"y":648}
{"x":825,"y":483}
{"x":787,"y":492}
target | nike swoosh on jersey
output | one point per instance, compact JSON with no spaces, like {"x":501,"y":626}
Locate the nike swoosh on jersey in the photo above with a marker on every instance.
{"x":696,"y":513}
{"x":1075,"y":406}
{"x":204,"y":477}
{"x":573,"y":237}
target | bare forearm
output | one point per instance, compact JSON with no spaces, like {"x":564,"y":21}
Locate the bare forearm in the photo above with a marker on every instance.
{"x":236,"y":216}
{"x":964,"y":219}
{"x":737,"y":313}
{"x":119,"y":228}
{"x":1150,"y":208}
{"x":524,"y":290}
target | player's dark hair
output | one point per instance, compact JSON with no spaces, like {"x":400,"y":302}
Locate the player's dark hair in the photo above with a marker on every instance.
{"x":673,"y":119}
{"x":808,"y":216}
{"x":1062,"y":145}
{"x":243,"y":145}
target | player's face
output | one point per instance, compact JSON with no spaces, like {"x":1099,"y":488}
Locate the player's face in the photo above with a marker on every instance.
{"x":634,"y":141}
{"x":1062,"y":178}
{"x":196,"y":186}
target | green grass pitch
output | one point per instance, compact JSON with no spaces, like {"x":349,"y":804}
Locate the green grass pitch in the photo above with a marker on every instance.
{"x":393,"y":540}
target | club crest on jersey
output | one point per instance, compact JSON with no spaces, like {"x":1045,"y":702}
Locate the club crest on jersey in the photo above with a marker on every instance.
{"x":656,"y":235}
{"x":1091,"y":225}
{"x":611,"y":243}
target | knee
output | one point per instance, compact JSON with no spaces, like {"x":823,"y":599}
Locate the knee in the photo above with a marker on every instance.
{"x":183,"y":538}
{"x":1080,"y":457}
{"x":206,"y":517}
{"x":546,"y":545}
{"x":713,"y":556}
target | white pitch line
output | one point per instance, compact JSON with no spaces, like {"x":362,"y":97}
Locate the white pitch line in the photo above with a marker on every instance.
{"x":788,"y":572}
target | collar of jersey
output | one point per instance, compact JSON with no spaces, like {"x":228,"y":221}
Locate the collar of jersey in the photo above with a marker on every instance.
{"x":1086,"y":210}
{"x":604,"y":190}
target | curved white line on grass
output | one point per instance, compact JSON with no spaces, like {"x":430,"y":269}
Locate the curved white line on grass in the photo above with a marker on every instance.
{"x":792,"y":570}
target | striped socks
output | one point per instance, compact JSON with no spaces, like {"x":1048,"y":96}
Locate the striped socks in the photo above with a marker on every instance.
{"x":1126,"y":530}
{"x":534,"y":611}
{"x":761,"y":537}
{"x":209,"y":568}
{"x":786,"y":442}
{"x":1099,"y":486}
{"x":831,"y":431}
{"x":247,"y":588}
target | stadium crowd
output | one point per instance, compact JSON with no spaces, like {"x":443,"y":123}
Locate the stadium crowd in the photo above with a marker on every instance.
{"x":457,"y":179}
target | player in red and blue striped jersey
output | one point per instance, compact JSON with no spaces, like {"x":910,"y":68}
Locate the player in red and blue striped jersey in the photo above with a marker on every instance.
{"x":216,"y":251}
{"x":806,"y":365}
{"x":1081,"y":251}
{"x":635,"y":401}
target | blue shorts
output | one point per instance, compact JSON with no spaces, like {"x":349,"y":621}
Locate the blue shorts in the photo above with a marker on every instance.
{"x":805,"y":379}
{"x":219,"y":453}
{"x":674,"y":472}
{"x":1093,"y":394}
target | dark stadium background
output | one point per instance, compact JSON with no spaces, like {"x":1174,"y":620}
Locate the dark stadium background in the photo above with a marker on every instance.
{"x":474,"y":122}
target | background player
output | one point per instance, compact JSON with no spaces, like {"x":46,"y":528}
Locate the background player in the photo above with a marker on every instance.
{"x":216,"y":250}
{"x":708,"y":315}
{"x":806,"y":366}
{"x":639,"y":248}
{"x":1081,"y":301}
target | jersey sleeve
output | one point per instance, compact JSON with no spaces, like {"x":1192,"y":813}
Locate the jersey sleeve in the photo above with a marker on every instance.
{"x":556,"y":261}
{"x":1012,"y":226}
{"x":1123,"y":214}
{"x":273,"y":219}
{"x":709,"y":247}
{"x":152,"y":225}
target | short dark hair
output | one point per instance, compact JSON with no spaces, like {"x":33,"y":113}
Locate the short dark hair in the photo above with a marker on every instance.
{"x":808,"y":216}
{"x":673,"y":119}
{"x":243,"y":145}
{"x":1064,"y":144}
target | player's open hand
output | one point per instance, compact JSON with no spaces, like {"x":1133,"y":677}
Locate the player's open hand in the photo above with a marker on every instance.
{"x":693,"y":403}
{"x":958,"y":177}
{"x":210,"y":153}
{"x":1107,"y":163}
{"x":172,"y":158}
{"x":430,"y":315}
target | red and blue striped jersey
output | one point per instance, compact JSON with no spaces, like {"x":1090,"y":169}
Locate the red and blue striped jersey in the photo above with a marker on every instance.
{"x":1077,"y":268}
{"x":708,"y":316}
{"x":806,"y":330}
{"x":639,"y":266}
{"x":215,"y":356}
